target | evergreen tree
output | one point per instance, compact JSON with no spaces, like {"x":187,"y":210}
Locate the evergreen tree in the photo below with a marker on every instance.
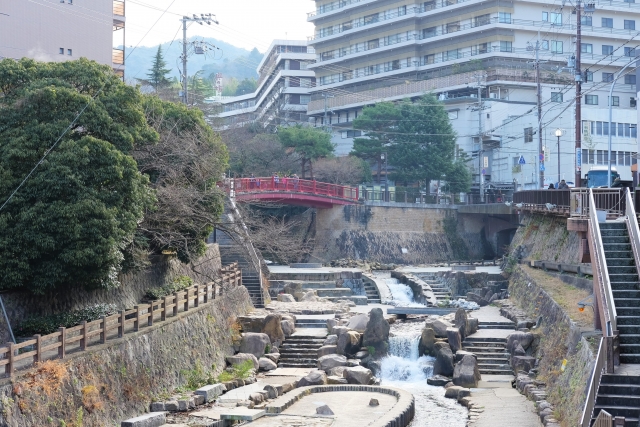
{"x":309,"y":143}
{"x":157,"y":76}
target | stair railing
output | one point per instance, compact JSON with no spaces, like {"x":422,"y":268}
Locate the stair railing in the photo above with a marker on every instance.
{"x":606,"y":306}
{"x":594,"y":384}
{"x":632,"y":226}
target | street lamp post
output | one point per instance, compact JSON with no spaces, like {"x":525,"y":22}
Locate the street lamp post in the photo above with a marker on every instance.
{"x":613,"y":83}
{"x":558,"y":134}
{"x":383,"y":157}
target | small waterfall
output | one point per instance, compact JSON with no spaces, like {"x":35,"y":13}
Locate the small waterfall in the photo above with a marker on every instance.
{"x":402,"y":294}
{"x":403,"y":363}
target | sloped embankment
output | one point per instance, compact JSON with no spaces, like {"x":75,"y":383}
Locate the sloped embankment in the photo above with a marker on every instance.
{"x":543,"y":237}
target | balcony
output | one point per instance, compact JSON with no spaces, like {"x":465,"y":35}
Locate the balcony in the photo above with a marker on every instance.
{"x":118,"y":7}
{"x":117,"y":56}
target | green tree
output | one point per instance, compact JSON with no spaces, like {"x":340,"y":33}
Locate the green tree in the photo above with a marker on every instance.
{"x":309,"y":143}
{"x":199,"y":89}
{"x":157,"y":75}
{"x":70,"y":222}
{"x":379,"y":121}
{"x":230,"y":87}
{"x":246,"y":86}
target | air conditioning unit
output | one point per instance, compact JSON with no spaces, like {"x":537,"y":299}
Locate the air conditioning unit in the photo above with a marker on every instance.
{"x":493,"y":95}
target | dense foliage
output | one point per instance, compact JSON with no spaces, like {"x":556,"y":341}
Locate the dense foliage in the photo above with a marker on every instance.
{"x":157,"y":75}
{"x":309,"y":143}
{"x":49,"y":324}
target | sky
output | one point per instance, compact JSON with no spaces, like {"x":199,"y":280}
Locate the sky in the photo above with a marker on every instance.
{"x":243,"y":23}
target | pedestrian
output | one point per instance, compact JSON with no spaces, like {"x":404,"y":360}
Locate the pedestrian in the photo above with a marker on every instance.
{"x":252,"y":182}
{"x":284,"y":181}
{"x":551,"y":187}
{"x":296,"y":182}
{"x":276,"y":180}
{"x":563,"y":185}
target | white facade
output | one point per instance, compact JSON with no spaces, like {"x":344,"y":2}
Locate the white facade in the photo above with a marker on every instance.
{"x":63,"y":30}
{"x":283,"y":88}
{"x":374,"y":50}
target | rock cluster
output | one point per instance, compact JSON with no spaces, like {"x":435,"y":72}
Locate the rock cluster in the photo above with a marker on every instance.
{"x":536,"y":391}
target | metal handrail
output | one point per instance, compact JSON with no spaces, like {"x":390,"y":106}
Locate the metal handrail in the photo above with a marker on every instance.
{"x":606,"y":295}
{"x":594,"y":384}
{"x":632,"y":226}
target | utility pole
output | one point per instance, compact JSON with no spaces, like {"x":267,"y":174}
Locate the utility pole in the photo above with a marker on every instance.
{"x":325,"y":96}
{"x":479,"y":77}
{"x":578,"y":79}
{"x":536,"y":65}
{"x":207,"y":18}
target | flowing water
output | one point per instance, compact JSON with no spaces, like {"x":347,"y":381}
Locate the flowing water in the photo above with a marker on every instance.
{"x":401,"y":293}
{"x":405,"y":369}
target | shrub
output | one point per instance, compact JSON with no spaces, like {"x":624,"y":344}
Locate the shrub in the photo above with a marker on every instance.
{"x":241,"y":371}
{"x":198,"y":377}
{"x":48,"y":324}
{"x":179,"y":284}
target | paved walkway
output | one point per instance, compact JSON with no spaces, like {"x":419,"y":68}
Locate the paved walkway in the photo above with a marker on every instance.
{"x":491,"y":269}
{"x":489,"y":314}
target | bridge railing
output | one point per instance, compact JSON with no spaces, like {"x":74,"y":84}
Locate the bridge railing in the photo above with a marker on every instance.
{"x":294,"y":185}
{"x":574,"y":202}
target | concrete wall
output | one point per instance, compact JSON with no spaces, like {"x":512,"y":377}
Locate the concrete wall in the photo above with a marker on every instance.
{"x":380,"y":232}
{"x":543,"y":237}
{"x":118,"y":380}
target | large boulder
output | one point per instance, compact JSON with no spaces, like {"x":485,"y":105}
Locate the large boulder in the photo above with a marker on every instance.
{"x":308,"y":296}
{"x":439,"y":326}
{"x":349,"y":343}
{"x":331,"y":323}
{"x":241,"y":357}
{"x":331,"y":340}
{"x":288,"y":327}
{"x":472,"y":326}
{"x":358,"y":375}
{"x":523,"y":338}
{"x":331,"y":361}
{"x":266,"y":364}
{"x":313,"y":378}
{"x":251,"y":323}
{"x":295,"y":289}
{"x":438,"y":380}
{"x":339,"y":330}
{"x":462,"y":323}
{"x":327,"y":349}
{"x":273,"y":328}
{"x":523,"y":363}
{"x":254,"y":343}
{"x":337,"y":371}
{"x":444,"y":360}
{"x":466,"y":373}
{"x":427,"y":342}
{"x":454,"y":338}
{"x":286,"y":298}
{"x":453,"y":392}
{"x":376,"y":333}
{"x":358,"y":322}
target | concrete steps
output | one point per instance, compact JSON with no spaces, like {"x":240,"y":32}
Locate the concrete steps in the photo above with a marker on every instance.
{"x":299,"y":351}
{"x":496,"y":325}
{"x":491,"y":353}
{"x":373,"y":295}
{"x":311,"y":323}
{"x":619,"y":395}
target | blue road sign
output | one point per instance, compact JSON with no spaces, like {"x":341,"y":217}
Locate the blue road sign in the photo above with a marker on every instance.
{"x":542,"y":168}
{"x":521,"y":161}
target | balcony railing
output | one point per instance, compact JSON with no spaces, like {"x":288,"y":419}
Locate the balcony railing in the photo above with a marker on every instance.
{"x":118,"y":7}
{"x":117,"y":56}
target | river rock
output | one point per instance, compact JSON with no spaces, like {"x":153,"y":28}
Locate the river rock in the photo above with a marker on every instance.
{"x":362,"y":354}
{"x":349,"y":343}
{"x":288,"y":327}
{"x":273,"y":328}
{"x":461,"y":353}
{"x":337,"y":371}
{"x":241,"y":357}
{"x":353,"y":362}
{"x":324,"y":410}
{"x":452,"y":392}
{"x":438,"y":380}
{"x":339,"y":330}
{"x":522,"y":363}
{"x":472,"y":325}
{"x":454,"y":338}
{"x":427,"y":342}
{"x":266,"y":364}
{"x":358,"y":322}
{"x":444,"y":360}
{"x":309,"y":296}
{"x":294,"y":289}
{"x":462,"y":323}
{"x":376,"y":333}
{"x":439,"y":326}
{"x":255,"y":343}
{"x":466,"y":373}
{"x":327,"y":349}
{"x":313,"y":378}
{"x":331,"y":361}
{"x":358,"y":375}
{"x":331,"y":340}
{"x":518,"y":350}
{"x":286,"y":298}
{"x":331,"y":323}
{"x":334,"y":379}
{"x":274,"y":357}
{"x":524,"y":338}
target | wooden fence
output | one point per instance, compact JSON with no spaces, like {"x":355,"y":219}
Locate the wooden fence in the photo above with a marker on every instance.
{"x":78,"y":338}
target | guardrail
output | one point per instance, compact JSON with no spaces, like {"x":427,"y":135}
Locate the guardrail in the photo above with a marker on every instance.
{"x":56,"y":345}
{"x":294,"y":185}
{"x":594,"y":384}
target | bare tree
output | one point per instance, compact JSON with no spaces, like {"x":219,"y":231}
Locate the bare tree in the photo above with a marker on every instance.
{"x":348,"y":170}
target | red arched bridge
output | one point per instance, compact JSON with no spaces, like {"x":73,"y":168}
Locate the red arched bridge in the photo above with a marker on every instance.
{"x":292,"y":191}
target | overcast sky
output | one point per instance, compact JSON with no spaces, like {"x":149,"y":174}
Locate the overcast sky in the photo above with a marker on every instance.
{"x":243,"y":23}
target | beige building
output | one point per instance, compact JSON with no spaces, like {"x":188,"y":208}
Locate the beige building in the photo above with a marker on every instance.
{"x":62,"y":30}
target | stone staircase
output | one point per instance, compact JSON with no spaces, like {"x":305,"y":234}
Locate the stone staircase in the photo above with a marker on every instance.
{"x":492,"y":355}
{"x":623,"y":275}
{"x":305,"y":322}
{"x":496,"y":325}
{"x":301,"y":349}
{"x":619,"y":395}
{"x":440,"y":290}
{"x":373,"y":295}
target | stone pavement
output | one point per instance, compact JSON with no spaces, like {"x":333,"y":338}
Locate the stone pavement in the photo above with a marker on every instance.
{"x":491,"y":269}
{"x":489,"y":314}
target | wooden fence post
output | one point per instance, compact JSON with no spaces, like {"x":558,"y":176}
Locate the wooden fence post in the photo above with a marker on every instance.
{"x":62,"y":339}
{"x":38,"y":356}
{"x":121,"y":325}
{"x":83,"y":332}
{"x":163,"y":313}
{"x":10,"y":366}
{"x":206,"y":292}
{"x":186,"y":299}
{"x":103,"y":334}
{"x":175,"y":303}
{"x":196,"y":303}
{"x":150,"y":318}
{"x":136,"y":324}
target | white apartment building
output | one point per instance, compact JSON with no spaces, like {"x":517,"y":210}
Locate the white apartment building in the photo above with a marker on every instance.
{"x":283,"y":88}
{"x":383,"y":50}
{"x":63,"y":30}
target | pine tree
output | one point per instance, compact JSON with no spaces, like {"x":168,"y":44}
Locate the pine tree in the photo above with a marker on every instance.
{"x":157,"y":76}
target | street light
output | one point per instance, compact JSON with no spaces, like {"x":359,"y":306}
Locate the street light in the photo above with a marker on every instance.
{"x":558,"y":134}
{"x":383,"y":157}
{"x":613,"y":83}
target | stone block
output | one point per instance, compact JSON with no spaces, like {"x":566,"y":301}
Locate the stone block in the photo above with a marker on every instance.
{"x":272,"y":392}
{"x":242,"y":414}
{"x":198,"y":399}
{"x":324,"y":410}
{"x":266,"y":364}
{"x":183,"y":405}
{"x":152,"y":419}
{"x":157,"y":407}
{"x":333,"y":379}
{"x":211,"y":392}
{"x":171,"y":405}
{"x":327,"y":349}
{"x":286,"y":298}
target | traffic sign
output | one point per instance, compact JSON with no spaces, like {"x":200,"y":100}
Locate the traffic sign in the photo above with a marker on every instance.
{"x":484,"y":171}
{"x":542,"y":167}
{"x":521,"y":161}
{"x":542,"y":157}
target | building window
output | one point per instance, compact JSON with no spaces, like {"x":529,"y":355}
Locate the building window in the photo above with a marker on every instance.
{"x":586,"y":48}
{"x":555,"y":18}
{"x":629,"y":24}
{"x":544,"y":44}
{"x":586,"y":20}
{"x":482,"y":20}
{"x":305,"y":99}
{"x":429,"y":59}
{"x":545,"y":16}
{"x":630,"y":79}
{"x":428,"y":32}
{"x":607,"y":49}
{"x":556,"y":46}
{"x":528,"y":134}
{"x":504,"y":17}
{"x":588,"y":76}
{"x":630,"y":51}
{"x":61,"y":51}
{"x":70,"y":52}
{"x":591,"y":99}
{"x":505,"y":46}
{"x":607,"y":77}
{"x":632,"y":102}
{"x":607,"y":22}
{"x":556,"y":96}
{"x":615,"y":103}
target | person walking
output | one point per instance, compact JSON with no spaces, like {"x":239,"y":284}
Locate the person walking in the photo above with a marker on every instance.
{"x":563,"y":185}
{"x":252,"y":182}
{"x":551,"y":187}
{"x":276,"y":180}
